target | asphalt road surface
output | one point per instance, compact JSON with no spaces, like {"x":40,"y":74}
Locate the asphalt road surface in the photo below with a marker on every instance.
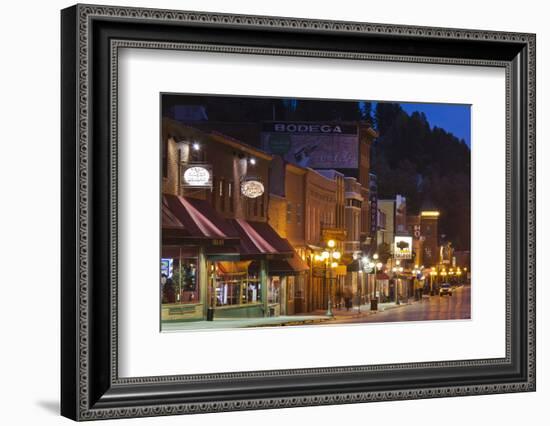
{"x":456,"y":306}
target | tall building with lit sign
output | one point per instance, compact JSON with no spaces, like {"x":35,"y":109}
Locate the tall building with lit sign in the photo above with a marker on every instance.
{"x":429,"y":221}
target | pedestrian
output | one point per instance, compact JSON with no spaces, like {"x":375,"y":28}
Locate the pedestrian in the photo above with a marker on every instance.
{"x":169,"y":292}
{"x":347,"y":299}
{"x":163,"y":279}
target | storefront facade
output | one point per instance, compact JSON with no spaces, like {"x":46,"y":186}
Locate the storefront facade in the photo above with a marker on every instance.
{"x":227,"y":261}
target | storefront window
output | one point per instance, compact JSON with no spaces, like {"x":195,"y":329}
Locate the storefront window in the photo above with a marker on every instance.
{"x":253,"y":293}
{"x":234,"y":285}
{"x":228,"y":289}
{"x":181,"y":285}
{"x":274,"y":290}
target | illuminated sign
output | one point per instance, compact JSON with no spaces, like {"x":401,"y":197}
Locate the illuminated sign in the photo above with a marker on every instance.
{"x":416,"y":232}
{"x":252,"y":188}
{"x":373,"y":214}
{"x":167,"y":267}
{"x":197,"y":176}
{"x":402,"y":247}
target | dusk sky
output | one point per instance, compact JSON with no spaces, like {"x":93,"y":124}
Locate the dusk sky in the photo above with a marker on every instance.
{"x":454,"y":118}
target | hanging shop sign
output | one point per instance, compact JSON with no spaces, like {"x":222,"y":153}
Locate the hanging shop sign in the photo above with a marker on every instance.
{"x":195,"y":176}
{"x":252,"y":188}
{"x":402,"y":247}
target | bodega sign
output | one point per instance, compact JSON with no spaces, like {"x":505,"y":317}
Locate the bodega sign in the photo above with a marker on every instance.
{"x":312,"y":127}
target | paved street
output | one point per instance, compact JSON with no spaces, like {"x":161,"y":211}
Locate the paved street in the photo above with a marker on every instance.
{"x":430,"y":308}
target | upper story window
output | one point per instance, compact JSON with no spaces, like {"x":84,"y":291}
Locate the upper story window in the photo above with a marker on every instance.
{"x":298,"y":214}
{"x":230,"y":195}
{"x":289,"y":212}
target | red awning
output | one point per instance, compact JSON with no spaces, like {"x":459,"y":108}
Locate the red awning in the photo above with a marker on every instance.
{"x":259,"y":238}
{"x":291,"y":266}
{"x":189,"y":218}
{"x":382,"y":276}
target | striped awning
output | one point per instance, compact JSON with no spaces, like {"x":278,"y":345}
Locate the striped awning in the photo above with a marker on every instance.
{"x":292,"y":266}
{"x":260,"y":239}
{"x":189,"y":218}
{"x":382,"y":276}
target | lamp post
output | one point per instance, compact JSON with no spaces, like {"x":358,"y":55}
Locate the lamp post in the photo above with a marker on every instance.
{"x":330,"y":256}
{"x":367,"y":265}
{"x":374,"y":266}
{"x":396,"y":270}
{"x":443,"y":274}
{"x":377,"y":268}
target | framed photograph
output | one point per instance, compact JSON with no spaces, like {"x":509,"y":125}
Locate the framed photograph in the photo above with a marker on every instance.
{"x":263,"y":212}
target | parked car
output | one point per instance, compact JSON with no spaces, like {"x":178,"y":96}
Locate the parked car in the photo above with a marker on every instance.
{"x":445,"y":289}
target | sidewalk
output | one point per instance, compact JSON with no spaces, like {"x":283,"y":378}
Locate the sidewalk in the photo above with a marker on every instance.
{"x":244,"y":322}
{"x":364,"y":310}
{"x":317,"y":317}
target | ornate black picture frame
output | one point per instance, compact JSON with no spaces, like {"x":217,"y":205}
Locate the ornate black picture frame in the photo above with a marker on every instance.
{"x":91,"y":36}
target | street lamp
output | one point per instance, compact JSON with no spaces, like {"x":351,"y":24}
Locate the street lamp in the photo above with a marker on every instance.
{"x":374,"y":266}
{"x":330,"y":257}
{"x":365,"y":266}
{"x":377,"y":290}
{"x":395,"y":270}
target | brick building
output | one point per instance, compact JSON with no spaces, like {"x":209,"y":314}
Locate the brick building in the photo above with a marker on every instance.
{"x":227,"y":260}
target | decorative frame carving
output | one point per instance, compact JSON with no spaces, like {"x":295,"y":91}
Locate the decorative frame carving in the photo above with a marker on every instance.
{"x":91,"y":388}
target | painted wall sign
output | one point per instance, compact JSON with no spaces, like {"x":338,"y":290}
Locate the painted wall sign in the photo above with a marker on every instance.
{"x":310,"y":127}
{"x":313,"y":144}
{"x":197,"y":176}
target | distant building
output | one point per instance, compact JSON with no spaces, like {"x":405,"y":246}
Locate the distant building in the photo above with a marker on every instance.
{"x":386,"y":233}
{"x":429,"y":230}
{"x":415,"y":230}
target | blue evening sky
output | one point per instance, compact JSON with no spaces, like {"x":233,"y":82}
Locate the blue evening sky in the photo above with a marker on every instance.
{"x":454,"y":118}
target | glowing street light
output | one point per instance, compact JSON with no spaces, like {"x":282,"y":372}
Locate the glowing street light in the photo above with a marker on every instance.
{"x":330,"y":258}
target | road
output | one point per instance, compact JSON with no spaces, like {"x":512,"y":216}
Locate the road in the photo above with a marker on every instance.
{"x":433,"y":308}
